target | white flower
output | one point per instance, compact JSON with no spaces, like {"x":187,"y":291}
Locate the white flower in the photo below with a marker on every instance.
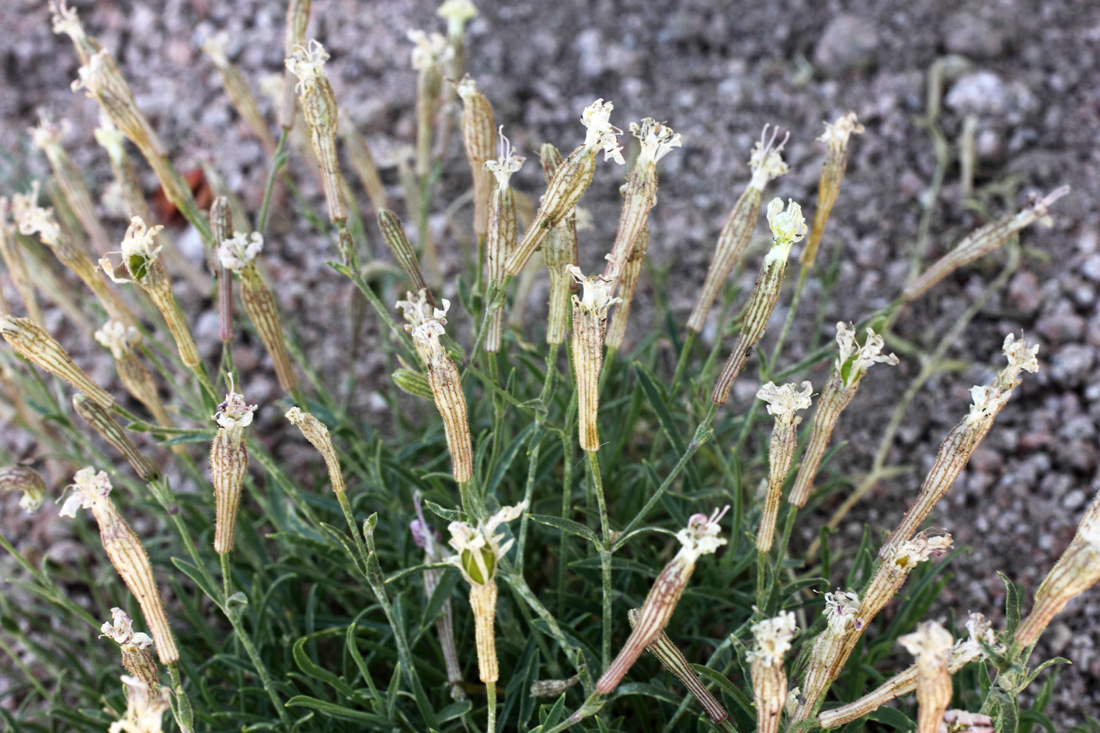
{"x":657,"y":140}
{"x":1021,"y":358}
{"x":214,"y":46}
{"x":424,"y":322}
{"x":700,"y":537}
{"x":766,"y":162}
{"x":30,"y":218}
{"x":836,"y":134}
{"x":507,"y":164}
{"x":308,"y":64}
{"x":784,"y":401}
{"x":841,"y":610}
{"x":118,"y":337}
{"x":929,"y":642}
{"x":788,"y":226}
{"x":920,"y":548}
{"x":862,"y":356}
{"x":121,"y":627}
{"x":144,"y":708}
{"x":601,"y":133}
{"x":457,"y":13}
{"x":479,"y":549}
{"x":595,"y":291}
{"x":240,"y":250}
{"x":45,"y":133}
{"x":109,"y":137}
{"x":234,"y":413}
{"x":988,"y":400}
{"x":94,"y":76}
{"x":773,"y":638}
{"x":88,"y":489}
{"x":429,"y":49}
{"x":139,"y":240}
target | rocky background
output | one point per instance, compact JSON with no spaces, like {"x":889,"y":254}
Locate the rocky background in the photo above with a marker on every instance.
{"x":1028,"y":72}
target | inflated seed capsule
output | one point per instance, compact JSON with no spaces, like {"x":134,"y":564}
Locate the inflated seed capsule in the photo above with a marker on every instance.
{"x":394,"y":234}
{"x":501,"y":238}
{"x":787,"y":228}
{"x":137,"y":654}
{"x":229,"y":466}
{"x":140,"y":257}
{"x":766,"y":163}
{"x":478,"y":129}
{"x":559,"y":250}
{"x":319,"y":110}
{"x":965,"y":437}
{"x":672,"y":659}
{"x":478,"y":552}
{"x":983,"y":241}
{"x":832,"y":175}
{"x":238,"y":254}
{"x":36,"y":346}
{"x":101,"y":421}
{"x":699,"y":538}
{"x":850,"y":365}
{"x":425,"y":323}
{"x":91,"y":490}
{"x":931,"y":645}
{"x":783,"y":402}
{"x":571,"y":180}
{"x":769,"y":680}
{"x":26,"y":481}
{"x":589,"y":327}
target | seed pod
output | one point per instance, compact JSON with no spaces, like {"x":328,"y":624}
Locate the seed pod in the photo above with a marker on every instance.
{"x":1077,"y":570}
{"x":26,"y":481}
{"x":47,"y":138}
{"x":413,"y":383}
{"x":430,"y":56}
{"x":316,"y":433}
{"x":12,"y":255}
{"x":121,"y":339}
{"x":766,"y":164}
{"x":501,"y":239}
{"x":769,"y":681}
{"x":589,"y":326}
{"x":221,"y":225}
{"x":639,"y":191}
{"x":259,"y":303}
{"x":426,"y":326}
{"x":36,"y":346}
{"x":319,"y":110}
{"x":571,"y":180}
{"x":478,"y":129}
{"x":91,"y":490}
{"x":297,"y":19}
{"x":783,"y":402}
{"x":787,"y":227}
{"x":832,"y":175}
{"x":240,"y":96}
{"x":827,"y":656}
{"x":483,"y":602}
{"x":699,"y":538}
{"x":102,"y":422}
{"x":559,"y":250}
{"x":672,"y":659}
{"x":137,"y":656}
{"x":65,"y":20}
{"x":229,"y":466}
{"x":962,"y":653}
{"x":965,"y":437}
{"x":102,"y":80}
{"x":362,"y":162}
{"x":851,"y":364}
{"x":394,"y":234}
{"x":628,"y":283}
{"x":930,"y":644}
{"x":981,"y":242}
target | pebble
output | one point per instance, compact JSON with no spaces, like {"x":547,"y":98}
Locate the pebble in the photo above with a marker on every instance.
{"x":979,"y":92}
{"x":1071,"y":363}
{"x":969,"y":34}
{"x":1061,"y":326}
{"x":847,"y":44}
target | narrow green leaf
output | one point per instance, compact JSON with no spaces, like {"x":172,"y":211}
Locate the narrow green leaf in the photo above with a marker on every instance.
{"x":567,"y":525}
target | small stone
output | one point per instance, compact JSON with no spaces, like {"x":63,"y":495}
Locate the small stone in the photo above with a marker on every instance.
{"x":847,"y":44}
{"x":980,"y":92}
{"x":1071,"y":363}
{"x":969,"y":34}
{"x":1024,"y":292}
{"x":1061,"y":326}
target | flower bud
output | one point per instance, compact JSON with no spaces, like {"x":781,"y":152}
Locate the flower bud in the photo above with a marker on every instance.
{"x":26,"y":481}
{"x":930,"y":644}
{"x":101,"y":421}
{"x":319,"y":110}
{"x":394,"y":234}
{"x":425,"y":323}
{"x":783,"y":402}
{"x":766,"y":163}
{"x":229,"y":466}
{"x":589,"y":326}
{"x":699,"y":538}
{"x":36,"y":346}
{"x":832,"y":174}
{"x":90,"y":490}
{"x":316,"y":433}
{"x":788,"y":227}
{"x":412,"y":382}
{"x":478,"y":128}
{"x":552,"y":688}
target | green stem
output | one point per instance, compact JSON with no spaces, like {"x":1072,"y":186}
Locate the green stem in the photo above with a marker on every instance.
{"x":491,"y":694}
{"x":605,"y":552}
{"x":223,"y":558}
{"x":278,"y":158}
{"x":183,"y":713}
{"x":685,"y":354}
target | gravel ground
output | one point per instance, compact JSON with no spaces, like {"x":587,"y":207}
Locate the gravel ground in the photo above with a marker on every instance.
{"x":1028,"y":72}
